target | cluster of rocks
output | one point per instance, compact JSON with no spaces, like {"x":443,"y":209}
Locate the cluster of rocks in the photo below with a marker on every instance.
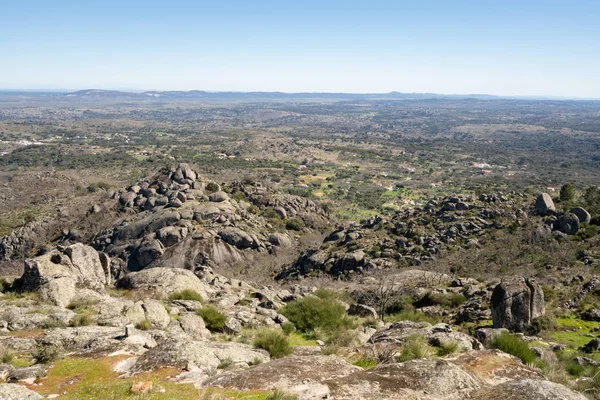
{"x":175,"y":219}
{"x":561,"y":223}
{"x":410,"y":236}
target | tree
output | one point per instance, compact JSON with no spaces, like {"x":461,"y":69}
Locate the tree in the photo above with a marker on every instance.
{"x":567,"y":193}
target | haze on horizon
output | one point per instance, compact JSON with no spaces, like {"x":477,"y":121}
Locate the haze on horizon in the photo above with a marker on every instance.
{"x":516,"y":48}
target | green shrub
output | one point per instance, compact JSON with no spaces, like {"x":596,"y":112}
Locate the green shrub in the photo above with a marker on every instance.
{"x":342,"y":338}
{"x":365,"y":362}
{"x":415,"y":347}
{"x":81,"y":320}
{"x":515,"y":346}
{"x":270,"y":213}
{"x":7,"y":355}
{"x":295,"y":224}
{"x":310,"y":313}
{"x":225,"y":363}
{"x":333,"y":295}
{"x":82,"y":305}
{"x":456,"y":299}
{"x":187,"y":294}
{"x":447,"y":348}
{"x":281,"y":395}
{"x":211,"y":187}
{"x":54,"y":323}
{"x":213,"y":318}
{"x":288,"y":328}
{"x":544,"y":323}
{"x":273,"y":341}
{"x":144,"y":325}
{"x":46,"y":354}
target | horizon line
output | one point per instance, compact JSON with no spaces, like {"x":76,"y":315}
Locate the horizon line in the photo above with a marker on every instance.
{"x":142,"y":91}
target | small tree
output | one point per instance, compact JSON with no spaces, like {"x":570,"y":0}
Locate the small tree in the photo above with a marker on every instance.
{"x":567,"y":193}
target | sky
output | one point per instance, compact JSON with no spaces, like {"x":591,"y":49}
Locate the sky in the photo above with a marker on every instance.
{"x":527,"y":47}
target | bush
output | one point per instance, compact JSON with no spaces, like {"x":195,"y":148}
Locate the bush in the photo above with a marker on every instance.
{"x":81,"y":320}
{"x":187,"y":294}
{"x":414,"y":316}
{"x":82,"y":305}
{"x":295,"y":224}
{"x":365,"y":362}
{"x":273,"y":341}
{"x":225,"y":363}
{"x":447,"y":348}
{"x":281,"y":395}
{"x":46,"y":354}
{"x":288,"y":328}
{"x":542,"y":324}
{"x":7,"y":355}
{"x":310,"y":313}
{"x":211,"y":187}
{"x":515,"y":346}
{"x":144,"y":325}
{"x":213,"y":318}
{"x":415,"y":347}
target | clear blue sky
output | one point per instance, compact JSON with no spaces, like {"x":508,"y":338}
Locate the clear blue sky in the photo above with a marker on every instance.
{"x":527,"y":47}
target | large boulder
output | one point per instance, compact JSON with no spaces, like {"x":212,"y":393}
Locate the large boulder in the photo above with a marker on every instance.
{"x":568,"y":224}
{"x":179,"y":352}
{"x":236,"y":237}
{"x":63,"y":275}
{"x":516,"y":302}
{"x":13,"y":391}
{"x":582,"y":214}
{"x":529,"y":389}
{"x":164,"y":281}
{"x":148,"y":310}
{"x":417,"y":379}
{"x":303,"y":376}
{"x":544,"y":204}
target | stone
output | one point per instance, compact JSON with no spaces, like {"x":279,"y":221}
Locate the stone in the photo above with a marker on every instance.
{"x":300,"y":375}
{"x":218,"y":197}
{"x":164,"y":281}
{"x":567,"y":224}
{"x":544,"y":205}
{"x":178,"y":352}
{"x":149,"y":251}
{"x":171,"y":235}
{"x":148,"y":310}
{"x":581,"y":214}
{"x":592,"y":346}
{"x":362,"y":310}
{"x":62,"y":276}
{"x":516,"y":302}
{"x":236,"y":237}
{"x":12,"y":391}
{"x":193,"y":325}
{"x":486,"y":335}
{"x":418,"y":379}
{"x":530,"y":389}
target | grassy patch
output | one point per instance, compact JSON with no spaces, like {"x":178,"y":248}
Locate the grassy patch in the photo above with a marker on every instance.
{"x":213,"y":318}
{"x":83,"y":378}
{"x":572,"y":331}
{"x":515,"y":346}
{"x":187,"y":294}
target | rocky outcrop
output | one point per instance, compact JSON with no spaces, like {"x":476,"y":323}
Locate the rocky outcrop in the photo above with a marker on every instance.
{"x":303,"y":376}
{"x":417,"y":379}
{"x":180,"y":352}
{"x":163,"y":281}
{"x":528,"y":389}
{"x":65,"y":274}
{"x":400,"y":332}
{"x":516,"y":302}
{"x":544,"y":205}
